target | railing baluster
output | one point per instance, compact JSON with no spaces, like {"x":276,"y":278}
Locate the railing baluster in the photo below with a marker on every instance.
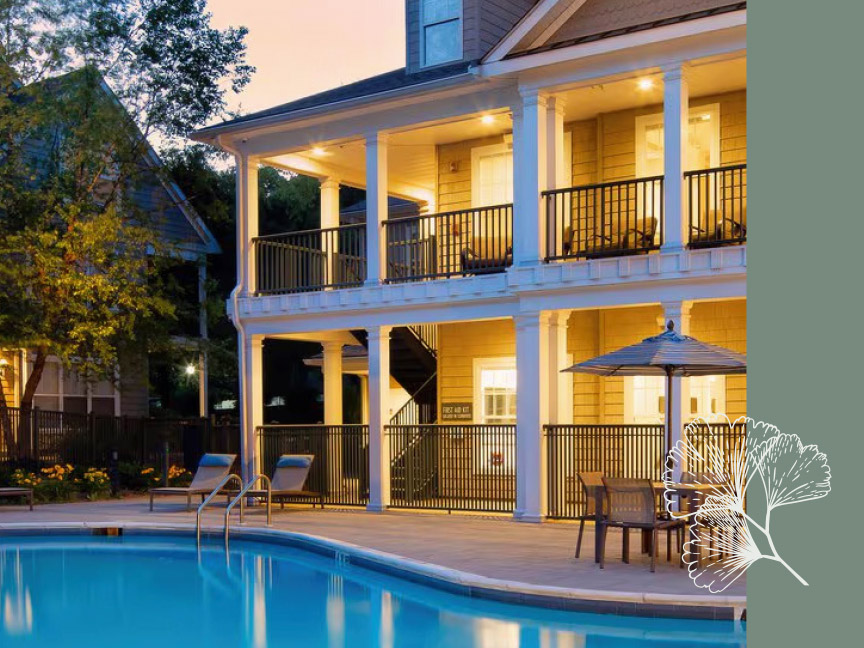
{"x":717,"y":206}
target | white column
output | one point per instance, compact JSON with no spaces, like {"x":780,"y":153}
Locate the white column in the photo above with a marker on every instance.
{"x":560,"y":383}
{"x":532,"y":412}
{"x":203,"y":373}
{"x":247,"y":222}
{"x":676,"y":119}
{"x":330,"y":219}
{"x":529,"y":170}
{"x":333,"y":411}
{"x":376,"y":206}
{"x":678,"y":312}
{"x":379,"y":411}
{"x":558,"y":167}
{"x":364,"y":399}
{"x":252,"y":402}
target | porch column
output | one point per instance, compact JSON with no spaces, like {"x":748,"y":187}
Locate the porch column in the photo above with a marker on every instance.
{"x":376,"y":207}
{"x":532,"y":412}
{"x":530,"y":179}
{"x":379,"y":411}
{"x":679,"y":313}
{"x":558,"y":167}
{"x":247,"y":222}
{"x":252,"y":402}
{"x":560,"y":383}
{"x":333,"y":411}
{"x":364,"y":399}
{"x":330,"y":219}
{"x":676,"y":120}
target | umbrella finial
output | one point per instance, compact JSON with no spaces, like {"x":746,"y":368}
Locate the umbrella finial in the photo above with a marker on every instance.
{"x":670,"y":325}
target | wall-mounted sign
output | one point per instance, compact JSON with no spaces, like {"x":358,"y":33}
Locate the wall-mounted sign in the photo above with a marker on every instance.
{"x":457,"y":411}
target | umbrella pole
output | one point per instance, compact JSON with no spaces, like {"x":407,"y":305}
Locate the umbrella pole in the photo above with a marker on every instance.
{"x":668,"y":415}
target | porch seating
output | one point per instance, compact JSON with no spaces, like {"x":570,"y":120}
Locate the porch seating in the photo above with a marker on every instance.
{"x":632,"y":505}
{"x":589,"y":481}
{"x":633,"y":237}
{"x":476,"y":263}
{"x":721,"y":227}
{"x":289,"y":480}
{"x":26,"y":493}
{"x":212,"y":469}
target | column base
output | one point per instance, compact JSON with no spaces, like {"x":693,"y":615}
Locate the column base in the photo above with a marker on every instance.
{"x":376,"y":508}
{"x":534,"y":518}
{"x":673,"y":248}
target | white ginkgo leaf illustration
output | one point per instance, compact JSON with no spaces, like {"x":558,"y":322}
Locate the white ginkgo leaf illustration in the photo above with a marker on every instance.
{"x":793,"y":472}
{"x":719,"y":470}
{"x":725,"y":543}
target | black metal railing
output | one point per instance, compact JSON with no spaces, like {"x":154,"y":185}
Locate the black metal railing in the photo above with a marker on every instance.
{"x":630,"y":451}
{"x":717,"y":205}
{"x":451,"y":244}
{"x":729,"y":438}
{"x":608,"y":219}
{"x":422,"y":407}
{"x":427,"y":335}
{"x":44,"y":437}
{"x":453,"y":467}
{"x":311,"y":260}
{"x":340,"y":470}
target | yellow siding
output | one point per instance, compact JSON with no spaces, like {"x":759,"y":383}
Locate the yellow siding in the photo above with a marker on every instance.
{"x":9,"y":374}
{"x":454,"y":173}
{"x":459,"y":344}
{"x":584,"y":138}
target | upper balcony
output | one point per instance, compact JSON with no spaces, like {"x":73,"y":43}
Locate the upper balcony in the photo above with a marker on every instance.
{"x":565,"y":175}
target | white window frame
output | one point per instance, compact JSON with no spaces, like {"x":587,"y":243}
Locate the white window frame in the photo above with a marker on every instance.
{"x":508,"y":468}
{"x":643,"y":122}
{"x":61,"y":387}
{"x":478,"y":153}
{"x":423,"y":25}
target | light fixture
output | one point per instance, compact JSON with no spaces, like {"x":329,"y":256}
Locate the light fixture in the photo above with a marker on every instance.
{"x":190,"y":369}
{"x":705,"y":117}
{"x":3,"y":364}
{"x":318,"y":151}
{"x":645,"y":84}
{"x":488,"y":119}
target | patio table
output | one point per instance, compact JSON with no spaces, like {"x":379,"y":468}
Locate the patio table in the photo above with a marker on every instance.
{"x":681,"y":489}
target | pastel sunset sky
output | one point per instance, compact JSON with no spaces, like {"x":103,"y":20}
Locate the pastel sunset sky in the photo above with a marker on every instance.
{"x":301,"y":47}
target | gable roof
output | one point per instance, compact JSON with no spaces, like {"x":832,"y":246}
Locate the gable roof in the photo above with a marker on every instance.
{"x":178,"y":222}
{"x":366,"y":88}
{"x":554,"y":24}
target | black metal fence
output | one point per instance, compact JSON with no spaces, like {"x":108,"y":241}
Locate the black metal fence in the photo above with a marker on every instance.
{"x":717,"y":205}
{"x":450,"y":244}
{"x":340,"y":470}
{"x":42,"y":437}
{"x":629,"y":451}
{"x":731,"y":439}
{"x":608,"y":219}
{"x":311,"y":260}
{"x":453,"y":467}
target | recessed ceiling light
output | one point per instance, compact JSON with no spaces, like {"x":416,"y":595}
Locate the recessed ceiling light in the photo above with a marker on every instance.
{"x":318,"y":151}
{"x":488,"y":119}
{"x":705,"y":117}
{"x":645,"y":84}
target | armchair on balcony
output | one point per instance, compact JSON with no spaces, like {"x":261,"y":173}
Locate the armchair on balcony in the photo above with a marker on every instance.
{"x":485,"y":256}
{"x":631,"y":238}
{"x":721,"y":227}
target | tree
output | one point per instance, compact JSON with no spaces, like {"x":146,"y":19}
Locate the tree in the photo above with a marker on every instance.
{"x":83,"y":85}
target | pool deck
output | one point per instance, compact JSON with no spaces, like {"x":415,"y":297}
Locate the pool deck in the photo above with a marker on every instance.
{"x":490,"y":553}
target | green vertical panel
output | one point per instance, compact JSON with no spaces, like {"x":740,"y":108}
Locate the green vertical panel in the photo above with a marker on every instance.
{"x":805,"y":293}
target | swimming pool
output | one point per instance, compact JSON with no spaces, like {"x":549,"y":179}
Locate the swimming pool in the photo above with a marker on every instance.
{"x":151,"y":590}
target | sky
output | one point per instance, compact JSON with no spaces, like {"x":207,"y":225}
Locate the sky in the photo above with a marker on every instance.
{"x":301,"y":47}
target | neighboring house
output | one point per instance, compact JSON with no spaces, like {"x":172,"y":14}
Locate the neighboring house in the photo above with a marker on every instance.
{"x":581,"y":171}
{"x":177,"y":224}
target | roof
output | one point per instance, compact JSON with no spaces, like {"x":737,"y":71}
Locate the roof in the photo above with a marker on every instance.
{"x":389,"y":81}
{"x":598,"y":19}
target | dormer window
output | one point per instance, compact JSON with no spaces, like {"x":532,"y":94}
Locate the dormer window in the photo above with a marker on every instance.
{"x":441,"y":28}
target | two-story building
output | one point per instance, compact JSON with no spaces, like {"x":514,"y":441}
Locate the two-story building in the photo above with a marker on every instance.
{"x":580,"y":167}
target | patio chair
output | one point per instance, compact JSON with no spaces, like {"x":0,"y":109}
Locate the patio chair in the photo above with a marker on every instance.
{"x":289,"y":480}
{"x":212,"y":469}
{"x":490,"y":259}
{"x":14,"y":491}
{"x":632,"y":505}
{"x":589,"y":481}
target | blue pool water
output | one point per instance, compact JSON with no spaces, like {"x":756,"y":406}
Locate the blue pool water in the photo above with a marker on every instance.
{"x":159,"y":591}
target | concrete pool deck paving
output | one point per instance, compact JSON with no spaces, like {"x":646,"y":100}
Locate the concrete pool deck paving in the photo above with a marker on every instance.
{"x":483,"y":552}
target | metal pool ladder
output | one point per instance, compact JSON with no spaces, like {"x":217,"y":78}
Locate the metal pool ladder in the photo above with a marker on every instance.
{"x":241,"y":496}
{"x":209,"y":498}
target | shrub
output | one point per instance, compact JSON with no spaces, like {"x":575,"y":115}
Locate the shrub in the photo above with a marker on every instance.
{"x":137,"y":477}
{"x":94,"y":484}
{"x":55,"y":485}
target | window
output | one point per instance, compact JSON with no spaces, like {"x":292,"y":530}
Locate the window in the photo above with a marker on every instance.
{"x":441,"y":31}
{"x":495,"y":404}
{"x":645,"y":398}
{"x":65,"y":391}
{"x":492,"y":175}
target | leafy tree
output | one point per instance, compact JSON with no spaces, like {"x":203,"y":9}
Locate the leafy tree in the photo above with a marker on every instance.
{"x":83,"y":85}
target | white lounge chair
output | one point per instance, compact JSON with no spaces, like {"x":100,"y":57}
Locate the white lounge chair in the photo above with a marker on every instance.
{"x":212,"y":469}
{"x":289,"y":480}
{"x":14,"y":491}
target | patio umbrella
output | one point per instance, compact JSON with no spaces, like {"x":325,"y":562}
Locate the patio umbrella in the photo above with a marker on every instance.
{"x":668,"y":354}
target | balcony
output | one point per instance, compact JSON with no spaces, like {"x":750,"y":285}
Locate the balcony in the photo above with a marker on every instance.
{"x":608,"y":219}
{"x":453,"y":244}
{"x":717,"y":206}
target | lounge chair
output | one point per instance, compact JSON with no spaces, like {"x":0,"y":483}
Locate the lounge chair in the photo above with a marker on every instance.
{"x":289,"y":480}
{"x":13,"y":491}
{"x":212,"y":469}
